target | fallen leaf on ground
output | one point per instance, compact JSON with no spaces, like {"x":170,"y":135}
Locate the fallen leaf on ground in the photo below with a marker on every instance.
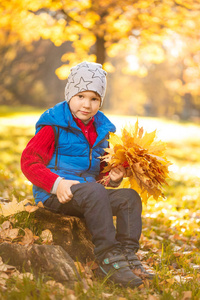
{"x":28,"y":238}
{"x":9,"y":233}
{"x":71,"y":297}
{"x":6,"y":268}
{"x":46,"y":236}
{"x":5,"y":225}
{"x":4,"y":275}
{"x":26,"y":275}
{"x":187,"y":295}
{"x":88,"y":271}
{"x":40,"y":204}
{"x":12,"y":207}
{"x":183,"y":279}
{"x":152,"y":297}
{"x":31,"y":208}
{"x":53,"y":283}
{"x":106,"y":295}
{"x":86,"y":283}
{"x":2,"y":282}
{"x":79,"y":267}
{"x":92,"y":265}
{"x":195,"y":267}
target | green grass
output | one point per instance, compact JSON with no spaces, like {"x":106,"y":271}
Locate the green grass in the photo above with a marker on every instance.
{"x":10,"y":111}
{"x":27,"y":288}
{"x":171,"y":228}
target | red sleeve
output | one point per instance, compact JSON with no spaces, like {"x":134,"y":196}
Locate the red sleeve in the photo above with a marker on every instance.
{"x":36,"y":156}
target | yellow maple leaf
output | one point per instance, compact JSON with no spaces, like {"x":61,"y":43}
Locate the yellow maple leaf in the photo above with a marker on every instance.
{"x":146,"y":140}
{"x":114,"y":139}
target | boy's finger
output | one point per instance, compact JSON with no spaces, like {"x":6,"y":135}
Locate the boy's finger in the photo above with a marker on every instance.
{"x":74,"y":183}
{"x":69,"y":193}
{"x":117,"y":170}
{"x":121,"y":168}
{"x":70,"y":196}
{"x":61,"y":199}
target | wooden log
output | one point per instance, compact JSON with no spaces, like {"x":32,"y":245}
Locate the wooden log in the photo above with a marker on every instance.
{"x":50,"y":260}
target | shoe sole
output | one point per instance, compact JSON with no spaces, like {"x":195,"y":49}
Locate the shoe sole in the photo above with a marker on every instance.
{"x":99,"y":273}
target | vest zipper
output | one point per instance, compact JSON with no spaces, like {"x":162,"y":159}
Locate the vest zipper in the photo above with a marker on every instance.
{"x":90,"y":153}
{"x":90,"y":158}
{"x":101,"y":141}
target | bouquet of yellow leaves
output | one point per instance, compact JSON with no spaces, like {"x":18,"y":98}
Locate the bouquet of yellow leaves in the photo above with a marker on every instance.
{"x":143,"y":156}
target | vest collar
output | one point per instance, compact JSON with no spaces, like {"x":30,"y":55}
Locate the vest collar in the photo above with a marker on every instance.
{"x":60,"y":115}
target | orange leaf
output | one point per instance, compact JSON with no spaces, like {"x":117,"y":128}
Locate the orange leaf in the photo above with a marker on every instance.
{"x":31,"y":208}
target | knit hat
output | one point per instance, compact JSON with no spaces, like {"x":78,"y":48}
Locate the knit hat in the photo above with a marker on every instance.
{"x":86,"y":76}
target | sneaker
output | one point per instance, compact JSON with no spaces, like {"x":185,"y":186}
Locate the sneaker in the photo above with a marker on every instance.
{"x":116,"y":268}
{"x":136,"y":265}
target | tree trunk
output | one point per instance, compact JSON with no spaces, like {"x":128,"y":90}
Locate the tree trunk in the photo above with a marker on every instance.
{"x":100,"y":50}
{"x":71,"y":242}
{"x":68,"y":232}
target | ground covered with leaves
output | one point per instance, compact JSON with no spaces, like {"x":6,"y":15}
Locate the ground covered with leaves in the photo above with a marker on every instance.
{"x":170,"y":240}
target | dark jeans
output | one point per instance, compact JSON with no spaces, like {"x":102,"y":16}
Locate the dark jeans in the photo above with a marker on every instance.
{"x":98,"y":206}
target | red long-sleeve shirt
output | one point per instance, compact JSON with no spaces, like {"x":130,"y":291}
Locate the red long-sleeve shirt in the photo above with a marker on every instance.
{"x":39,"y":151}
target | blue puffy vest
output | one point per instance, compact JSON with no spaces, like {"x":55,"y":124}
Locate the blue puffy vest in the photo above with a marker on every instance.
{"x":73,"y":158}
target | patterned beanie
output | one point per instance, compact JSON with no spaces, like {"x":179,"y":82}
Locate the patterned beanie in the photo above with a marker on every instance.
{"x":86,"y":76}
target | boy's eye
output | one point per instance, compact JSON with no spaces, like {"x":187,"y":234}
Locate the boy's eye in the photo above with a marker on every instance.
{"x":80,"y":96}
{"x":95,"y":99}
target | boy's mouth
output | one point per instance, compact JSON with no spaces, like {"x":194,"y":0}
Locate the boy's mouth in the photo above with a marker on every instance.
{"x":84,"y":112}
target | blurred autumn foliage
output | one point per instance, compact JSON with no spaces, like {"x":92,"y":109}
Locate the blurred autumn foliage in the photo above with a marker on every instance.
{"x":151,"y":50}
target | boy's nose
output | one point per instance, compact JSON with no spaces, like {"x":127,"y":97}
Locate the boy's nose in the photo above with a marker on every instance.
{"x":87,"y":103}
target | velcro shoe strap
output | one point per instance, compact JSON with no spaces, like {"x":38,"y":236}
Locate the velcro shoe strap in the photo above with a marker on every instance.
{"x":132,"y":256}
{"x":120,"y":264}
{"x":134,"y":260}
{"x":135,"y":263}
{"x":113,"y":259}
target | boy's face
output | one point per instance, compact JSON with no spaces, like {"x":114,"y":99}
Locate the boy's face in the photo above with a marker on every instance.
{"x":85,"y":105}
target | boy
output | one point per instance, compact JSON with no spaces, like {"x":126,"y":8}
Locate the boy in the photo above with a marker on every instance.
{"x":62,"y":161}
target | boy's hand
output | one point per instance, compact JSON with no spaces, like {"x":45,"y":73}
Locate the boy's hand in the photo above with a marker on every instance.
{"x":117,"y":173}
{"x":63,"y":192}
